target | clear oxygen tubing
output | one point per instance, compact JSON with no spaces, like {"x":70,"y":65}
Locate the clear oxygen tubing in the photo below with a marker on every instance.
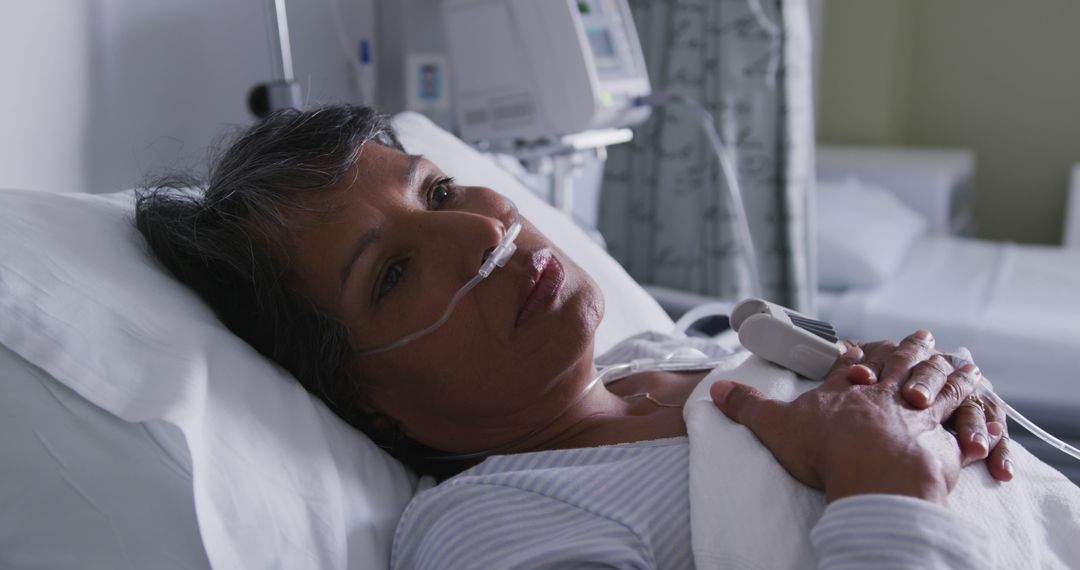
{"x":498,"y":258}
{"x":723,"y":156}
{"x":962,"y":357}
{"x":678,"y":361}
{"x":1029,"y":425}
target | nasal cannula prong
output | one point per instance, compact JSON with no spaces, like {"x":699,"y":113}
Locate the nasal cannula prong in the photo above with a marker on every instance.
{"x":498,"y":258}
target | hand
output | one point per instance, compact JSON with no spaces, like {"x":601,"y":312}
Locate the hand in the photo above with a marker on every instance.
{"x":850,"y":439}
{"x":979,"y":424}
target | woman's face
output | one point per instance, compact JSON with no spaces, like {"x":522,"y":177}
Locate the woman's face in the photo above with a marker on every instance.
{"x":400,"y":241}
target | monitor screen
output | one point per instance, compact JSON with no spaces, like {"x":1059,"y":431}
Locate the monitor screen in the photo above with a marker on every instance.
{"x":601,"y":43}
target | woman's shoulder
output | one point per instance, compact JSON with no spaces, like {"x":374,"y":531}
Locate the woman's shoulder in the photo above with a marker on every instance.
{"x":520,"y":469}
{"x":559,"y":473}
{"x":595,"y":489}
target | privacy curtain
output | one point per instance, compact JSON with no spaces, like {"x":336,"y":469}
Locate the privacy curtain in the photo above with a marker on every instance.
{"x":665,"y":212}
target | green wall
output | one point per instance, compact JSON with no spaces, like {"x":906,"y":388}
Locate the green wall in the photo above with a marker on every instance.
{"x":1000,"y":77}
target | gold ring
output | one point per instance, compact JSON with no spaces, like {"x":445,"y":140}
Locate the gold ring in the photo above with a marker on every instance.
{"x":976,"y":401}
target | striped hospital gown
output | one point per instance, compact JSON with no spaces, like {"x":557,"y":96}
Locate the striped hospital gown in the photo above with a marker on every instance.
{"x":628,"y":506}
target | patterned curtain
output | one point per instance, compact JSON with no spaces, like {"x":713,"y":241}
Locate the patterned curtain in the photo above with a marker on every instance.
{"x":665,"y":210}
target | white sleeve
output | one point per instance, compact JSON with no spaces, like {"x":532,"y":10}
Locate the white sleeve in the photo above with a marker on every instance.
{"x":893,"y":531}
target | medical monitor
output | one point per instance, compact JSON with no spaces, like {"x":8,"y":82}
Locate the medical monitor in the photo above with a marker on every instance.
{"x":529,"y":70}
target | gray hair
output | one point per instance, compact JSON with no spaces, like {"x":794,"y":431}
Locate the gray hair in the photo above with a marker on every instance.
{"x":229,"y":241}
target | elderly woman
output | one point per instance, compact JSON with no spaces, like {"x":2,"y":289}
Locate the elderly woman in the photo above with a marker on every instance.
{"x":323,"y":245}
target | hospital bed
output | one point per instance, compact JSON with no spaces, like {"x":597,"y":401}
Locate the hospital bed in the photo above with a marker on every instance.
{"x":138,"y":432}
{"x":885,"y":269}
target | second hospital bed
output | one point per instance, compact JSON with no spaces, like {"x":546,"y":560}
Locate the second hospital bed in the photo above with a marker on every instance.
{"x":885,"y":271}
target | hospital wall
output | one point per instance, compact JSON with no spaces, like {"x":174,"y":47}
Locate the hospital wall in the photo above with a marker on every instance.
{"x":99,"y":94}
{"x":43,"y":109}
{"x":997,"y":76}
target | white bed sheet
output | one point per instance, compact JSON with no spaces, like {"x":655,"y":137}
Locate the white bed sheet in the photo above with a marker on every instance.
{"x":1016,"y":307}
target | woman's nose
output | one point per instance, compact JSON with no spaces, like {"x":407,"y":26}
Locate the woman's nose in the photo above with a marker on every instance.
{"x":466,"y":239}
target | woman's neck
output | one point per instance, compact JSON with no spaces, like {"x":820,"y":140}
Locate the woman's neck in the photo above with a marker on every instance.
{"x":641,"y":407}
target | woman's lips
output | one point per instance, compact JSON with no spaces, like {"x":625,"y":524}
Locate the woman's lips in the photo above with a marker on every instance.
{"x":542,"y":286}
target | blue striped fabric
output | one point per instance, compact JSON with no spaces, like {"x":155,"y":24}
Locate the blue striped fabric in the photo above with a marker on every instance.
{"x":620,"y":506}
{"x":892,"y":531}
{"x":628,"y":506}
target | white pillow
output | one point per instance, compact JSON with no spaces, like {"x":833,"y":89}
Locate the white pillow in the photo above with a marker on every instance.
{"x":864,"y":232}
{"x":81,"y":488}
{"x":278,"y":481}
{"x":275,"y":479}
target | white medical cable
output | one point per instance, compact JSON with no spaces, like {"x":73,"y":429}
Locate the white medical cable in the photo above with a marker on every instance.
{"x":670,"y":363}
{"x":742,"y":226}
{"x":498,"y":257}
{"x":1029,"y":425}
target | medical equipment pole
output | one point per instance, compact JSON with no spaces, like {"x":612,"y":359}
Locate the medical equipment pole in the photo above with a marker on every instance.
{"x":283,"y":92}
{"x":283,"y":47}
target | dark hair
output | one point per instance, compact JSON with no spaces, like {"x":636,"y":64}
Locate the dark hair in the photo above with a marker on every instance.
{"x":228,"y":239}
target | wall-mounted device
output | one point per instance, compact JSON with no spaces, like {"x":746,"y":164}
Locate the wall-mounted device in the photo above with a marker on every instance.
{"x":532,"y":70}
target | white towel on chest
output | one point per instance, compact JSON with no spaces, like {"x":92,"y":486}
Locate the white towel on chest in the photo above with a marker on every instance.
{"x":746,"y":511}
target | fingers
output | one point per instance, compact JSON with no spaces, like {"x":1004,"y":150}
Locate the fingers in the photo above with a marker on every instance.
{"x":957,"y":387}
{"x":746,"y":406}
{"x":876,"y":353}
{"x":927,"y":378}
{"x":845,"y":368}
{"x":861,"y":374}
{"x":914,"y":349}
{"x":999,"y":463}
{"x":971,"y":430}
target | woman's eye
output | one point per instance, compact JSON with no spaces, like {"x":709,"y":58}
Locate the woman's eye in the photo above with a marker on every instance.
{"x":390,"y":279}
{"x":440,"y":193}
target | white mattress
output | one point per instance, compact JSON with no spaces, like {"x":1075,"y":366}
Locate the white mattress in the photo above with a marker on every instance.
{"x":1016,"y":307}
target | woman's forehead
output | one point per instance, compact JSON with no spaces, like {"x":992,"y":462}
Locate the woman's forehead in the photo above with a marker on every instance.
{"x":383,"y":183}
{"x":380,"y":166}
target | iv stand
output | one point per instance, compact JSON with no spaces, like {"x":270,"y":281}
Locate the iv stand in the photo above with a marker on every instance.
{"x":283,"y":92}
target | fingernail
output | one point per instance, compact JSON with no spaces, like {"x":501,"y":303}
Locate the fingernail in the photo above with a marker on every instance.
{"x":869,"y":372}
{"x":923,"y":334}
{"x":720,"y":390}
{"x":853,"y":353}
{"x":980,"y":440}
{"x":1008,"y":467}
{"x":970,"y":368}
{"x":922,"y":390}
{"x":995,"y":428}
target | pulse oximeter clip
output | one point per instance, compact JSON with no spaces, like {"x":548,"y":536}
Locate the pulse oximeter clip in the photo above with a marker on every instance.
{"x":787,"y":338}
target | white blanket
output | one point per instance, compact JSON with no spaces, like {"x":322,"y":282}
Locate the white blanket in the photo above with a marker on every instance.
{"x":1032,"y":521}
